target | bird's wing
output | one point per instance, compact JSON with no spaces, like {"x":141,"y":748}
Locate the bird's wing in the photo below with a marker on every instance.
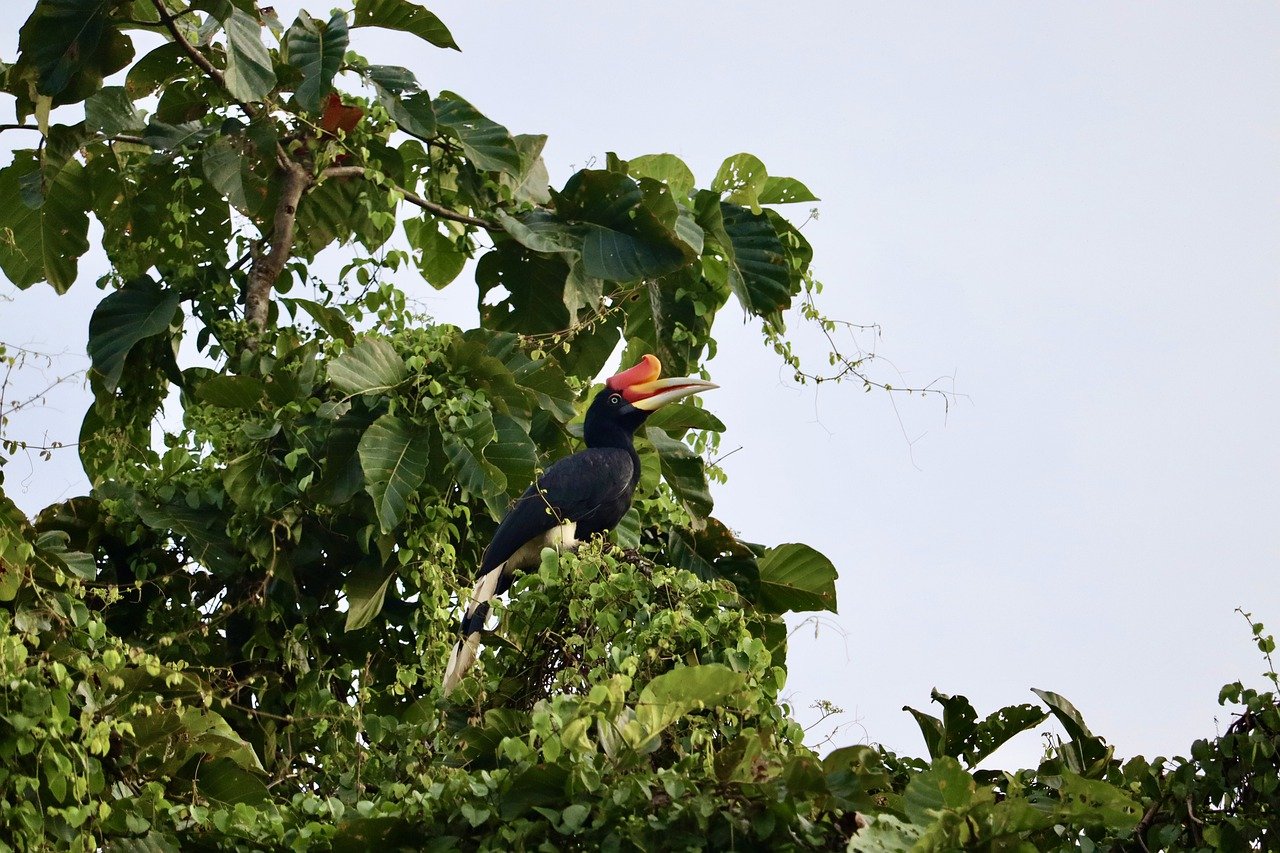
{"x":567,"y":491}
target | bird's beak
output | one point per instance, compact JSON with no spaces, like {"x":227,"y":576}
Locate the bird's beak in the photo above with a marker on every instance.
{"x":641,"y":387}
{"x":651,"y":396}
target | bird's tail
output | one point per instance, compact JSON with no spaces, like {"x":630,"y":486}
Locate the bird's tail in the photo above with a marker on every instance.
{"x":468,"y":645}
{"x":493,"y":583}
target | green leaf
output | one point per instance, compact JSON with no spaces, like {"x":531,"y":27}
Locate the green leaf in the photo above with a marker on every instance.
{"x":438,"y":257}
{"x":326,"y":317}
{"x":668,"y":168}
{"x":1087,"y":752}
{"x":161,"y":65}
{"x":740,"y":179}
{"x":371,"y":365}
{"x":795,"y":577}
{"x":885,"y":833}
{"x":135,"y":312}
{"x":997,"y":728}
{"x":784,"y":191}
{"x":683,"y":470}
{"x":110,"y":111}
{"x":512,"y":452}
{"x":758,"y":271}
{"x":43,"y":233}
{"x":231,"y":174}
{"x":944,"y":786}
{"x":317,"y":50}
{"x":394,"y":457}
{"x":465,"y":445}
{"x":678,"y":419}
{"x":66,"y":48}
{"x":224,"y":781}
{"x":249,"y":75}
{"x":1092,"y":801}
{"x":670,"y":696}
{"x":232,"y":392}
{"x":404,"y":16}
{"x":616,"y":256}
{"x":487,"y":144}
{"x":366,"y":589}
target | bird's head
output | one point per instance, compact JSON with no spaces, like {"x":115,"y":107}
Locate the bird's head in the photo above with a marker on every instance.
{"x":632,"y":395}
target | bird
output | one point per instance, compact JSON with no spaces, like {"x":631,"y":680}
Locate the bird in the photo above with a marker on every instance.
{"x":582,"y":495}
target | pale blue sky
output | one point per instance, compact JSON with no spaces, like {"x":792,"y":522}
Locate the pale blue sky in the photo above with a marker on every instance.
{"x":1073,"y":209}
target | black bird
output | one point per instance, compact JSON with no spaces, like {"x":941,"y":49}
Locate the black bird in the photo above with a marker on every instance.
{"x":582,"y":495}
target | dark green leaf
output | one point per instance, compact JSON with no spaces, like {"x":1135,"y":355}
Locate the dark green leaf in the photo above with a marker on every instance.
{"x":67,"y":47}
{"x":487,"y":144}
{"x":317,"y":50}
{"x":161,"y":65}
{"x":438,"y":257}
{"x":224,"y":781}
{"x":232,"y":392}
{"x":42,"y":241}
{"x":404,"y":16}
{"x":326,"y":317}
{"x":121,"y":320}
{"x":110,"y":111}
{"x":513,"y":453}
{"x":366,"y":589}
{"x":684,"y":472}
{"x":758,"y":271}
{"x":465,"y":446}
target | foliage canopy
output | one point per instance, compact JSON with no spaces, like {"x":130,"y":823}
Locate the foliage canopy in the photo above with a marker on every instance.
{"x":235,"y":640}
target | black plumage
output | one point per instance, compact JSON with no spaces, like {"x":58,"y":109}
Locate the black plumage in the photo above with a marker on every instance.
{"x":582,"y":495}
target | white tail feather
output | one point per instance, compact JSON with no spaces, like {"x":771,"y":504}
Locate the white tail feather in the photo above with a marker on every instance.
{"x":467,"y":649}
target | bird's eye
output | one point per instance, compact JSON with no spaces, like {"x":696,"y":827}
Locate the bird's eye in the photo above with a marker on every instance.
{"x":615,"y":399}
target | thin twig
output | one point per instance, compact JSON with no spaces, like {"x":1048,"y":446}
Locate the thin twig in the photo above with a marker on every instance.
{"x":413,"y":198}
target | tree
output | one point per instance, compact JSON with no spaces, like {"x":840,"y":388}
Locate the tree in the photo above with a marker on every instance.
{"x":236,"y":639}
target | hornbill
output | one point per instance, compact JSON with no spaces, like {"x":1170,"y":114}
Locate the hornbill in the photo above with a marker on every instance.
{"x":579,"y":496}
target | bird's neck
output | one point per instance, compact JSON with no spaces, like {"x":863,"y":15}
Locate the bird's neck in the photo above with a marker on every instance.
{"x":608,"y":435}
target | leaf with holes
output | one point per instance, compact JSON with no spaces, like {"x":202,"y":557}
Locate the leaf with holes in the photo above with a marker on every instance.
{"x":404,"y":16}
{"x":486,"y":143}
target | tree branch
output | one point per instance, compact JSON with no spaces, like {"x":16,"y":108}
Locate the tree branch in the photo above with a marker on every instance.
{"x":267,"y":268}
{"x":171,"y":24}
{"x":413,"y":198}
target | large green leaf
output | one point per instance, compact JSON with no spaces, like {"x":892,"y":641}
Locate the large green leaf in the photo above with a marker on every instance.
{"x":110,"y":111}
{"x":758,"y":269}
{"x":224,"y":781}
{"x":44,"y":225}
{"x":683,"y":470}
{"x":232,"y":392}
{"x":944,"y":786}
{"x":249,"y":75}
{"x":67,"y":47}
{"x":741,"y":178}
{"x":486,"y":143}
{"x":394,"y":456}
{"x":317,"y":49}
{"x":137,"y":311}
{"x":512,"y":452}
{"x":366,"y":589}
{"x":162,"y":64}
{"x":398,"y":91}
{"x":673,"y":694}
{"x":667,"y":168}
{"x":437,"y":256}
{"x":464,"y":444}
{"x":404,"y":16}
{"x":371,"y":365}
{"x":795,"y":577}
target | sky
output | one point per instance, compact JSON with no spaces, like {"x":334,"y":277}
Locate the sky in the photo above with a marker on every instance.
{"x":1067,"y":214}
